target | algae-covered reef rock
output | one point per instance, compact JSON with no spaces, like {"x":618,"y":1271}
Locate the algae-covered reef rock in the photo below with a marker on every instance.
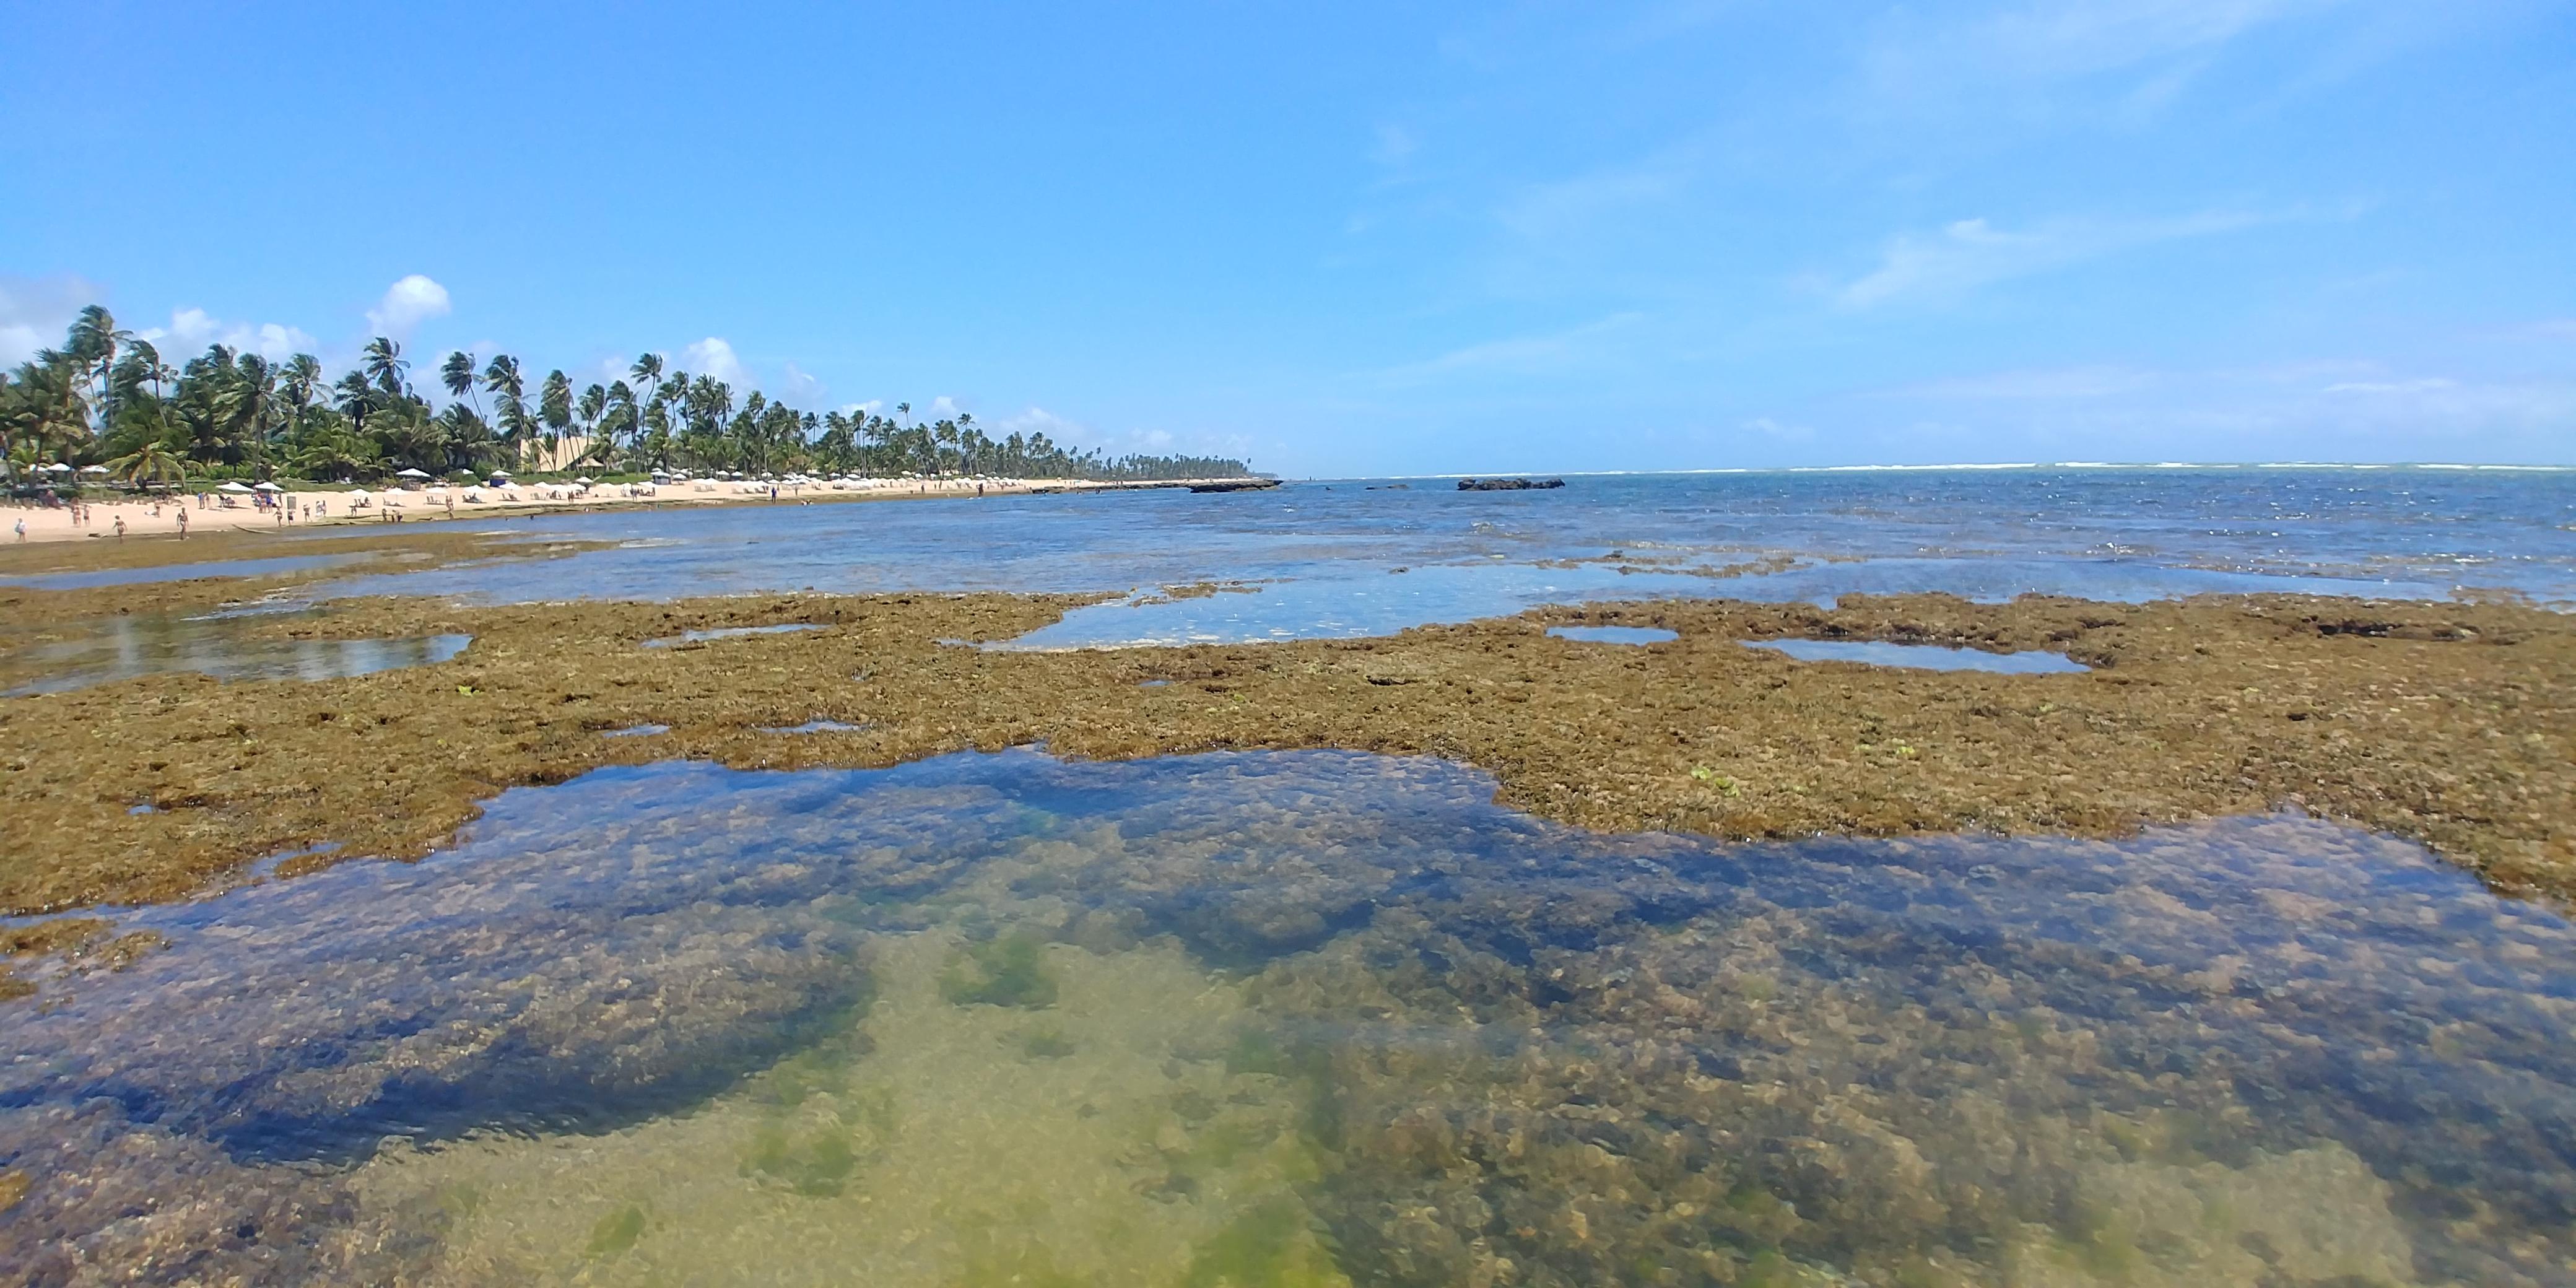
{"x":558,"y":971}
{"x":1507,"y":485}
{"x":101,"y":1199}
{"x":1964,"y":1061}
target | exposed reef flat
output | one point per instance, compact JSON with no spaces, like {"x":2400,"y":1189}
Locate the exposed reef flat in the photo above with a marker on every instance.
{"x":2445,"y":722}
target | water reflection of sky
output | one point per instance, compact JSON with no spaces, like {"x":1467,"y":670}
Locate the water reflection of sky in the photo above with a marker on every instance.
{"x":177,"y":572}
{"x":1926,"y":657}
{"x":225,"y":647}
{"x":1326,"y":555}
{"x":1943,"y":1047}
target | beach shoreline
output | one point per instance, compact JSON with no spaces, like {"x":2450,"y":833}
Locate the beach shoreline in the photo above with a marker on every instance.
{"x":150,"y":518}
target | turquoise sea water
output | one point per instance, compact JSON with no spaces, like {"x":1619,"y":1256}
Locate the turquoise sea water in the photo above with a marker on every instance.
{"x":1370,"y":557}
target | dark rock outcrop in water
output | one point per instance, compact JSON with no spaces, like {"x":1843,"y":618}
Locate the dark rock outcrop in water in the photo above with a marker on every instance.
{"x":1235,"y":485}
{"x":1507,"y":485}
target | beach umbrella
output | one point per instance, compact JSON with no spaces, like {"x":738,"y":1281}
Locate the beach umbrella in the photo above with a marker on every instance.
{"x":500,"y":474}
{"x":234,"y":486}
{"x":411,"y":474}
{"x":56,"y":468}
{"x":93,"y":469}
{"x":267,"y":487}
{"x":584,"y":480}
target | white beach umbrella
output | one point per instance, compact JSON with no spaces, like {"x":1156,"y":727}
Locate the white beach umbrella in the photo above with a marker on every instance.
{"x":266,"y":487}
{"x":93,"y":469}
{"x":56,"y":468}
{"x":234,"y":486}
{"x":584,"y":480}
{"x":411,"y":474}
{"x":500,"y":474}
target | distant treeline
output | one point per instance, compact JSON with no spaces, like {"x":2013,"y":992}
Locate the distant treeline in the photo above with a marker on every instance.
{"x":107,"y":398}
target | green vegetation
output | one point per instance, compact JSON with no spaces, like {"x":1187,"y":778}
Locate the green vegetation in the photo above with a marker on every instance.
{"x":1003,"y":972}
{"x":617,"y":1231}
{"x":1267,"y":1247}
{"x":106,"y":397}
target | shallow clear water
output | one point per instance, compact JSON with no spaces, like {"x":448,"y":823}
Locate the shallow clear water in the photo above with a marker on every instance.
{"x":177,"y":572}
{"x":1323,"y":559}
{"x":1614,"y":634}
{"x":728,"y":632}
{"x":1925,"y":657}
{"x":1299,"y":1018}
{"x":225,"y":647}
{"x":816,"y":725}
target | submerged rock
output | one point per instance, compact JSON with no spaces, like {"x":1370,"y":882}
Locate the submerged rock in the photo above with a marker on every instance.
{"x":1507,"y":485}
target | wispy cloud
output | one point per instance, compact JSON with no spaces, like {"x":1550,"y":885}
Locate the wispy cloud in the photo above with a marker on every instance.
{"x":2033,"y":385}
{"x":1525,"y":354}
{"x":2056,"y":38}
{"x":2365,"y":410}
{"x":1972,"y":253}
{"x":2039,"y":42}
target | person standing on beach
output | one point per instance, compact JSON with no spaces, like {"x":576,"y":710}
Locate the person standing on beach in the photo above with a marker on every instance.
{"x":120,"y":527}
{"x":22,"y":527}
{"x":183,"y":523}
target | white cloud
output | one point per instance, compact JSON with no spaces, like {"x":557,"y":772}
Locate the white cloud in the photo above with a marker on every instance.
{"x":408,"y":303}
{"x":714,"y":357}
{"x":942,"y":407}
{"x":192,"y":329}
{"x":1972,"y":253}
{"x":35,"y":312}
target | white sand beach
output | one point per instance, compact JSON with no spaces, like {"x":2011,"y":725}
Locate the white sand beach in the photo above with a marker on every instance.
{"x":212,"y":510}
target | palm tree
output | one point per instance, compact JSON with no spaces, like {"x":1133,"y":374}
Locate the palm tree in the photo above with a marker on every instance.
{"x":647,"y":371}
{"x":594,"y":404}
{"x":248,"y":407}
{"x":554,"y":404}
{"x":458,"y":375}
{"x":151,"y":463}
{"x":92,"y":346}
{"x":385,"y":366}
{"x":510,"y":401}
{"x":298,"y":382}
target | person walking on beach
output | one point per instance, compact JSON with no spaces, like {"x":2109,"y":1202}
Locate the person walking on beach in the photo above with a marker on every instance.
{"x":183,"y":523}
{"x":22,"y":527}
{"x":120,"y":527}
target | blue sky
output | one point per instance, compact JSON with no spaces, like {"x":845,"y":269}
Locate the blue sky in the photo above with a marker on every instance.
{"x":1371,"y":238}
